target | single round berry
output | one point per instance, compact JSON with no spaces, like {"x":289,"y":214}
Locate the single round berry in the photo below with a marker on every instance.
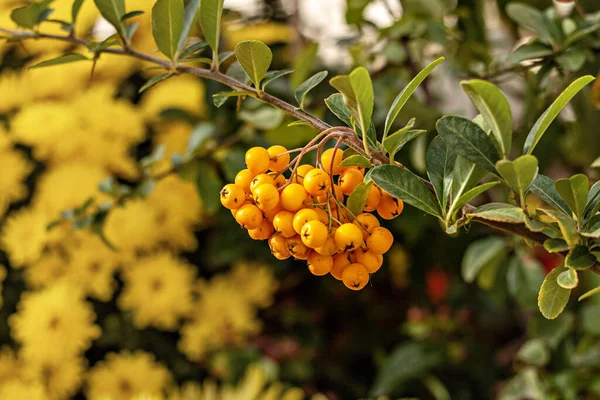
{"x":340,"y":262}
{"x":318,"y":264}
{"x":370,"y":260}
{"x":258,"y":160}
{"x":232,"y":196}
{"x":389,"y":207}
{"x":293,"y":197}
{"x":263,"y":232}
{"x":266,"y":197}
{"x":329,"y":248}
{"x":279,"y":181}
{"x":278,"y":161}
{"x":278,"y":246}
{"x":243,"y":179}
{"x":296,"y":248}
{"x":314,"y":234}
{"x":373,"y":199}
{"x":349,"y":180}
{"x":249,"y":216}
{"x":283,"y":224}
{"x":261,"y":179}
{"x":328,"y":157}
{"x":380,"y":241}
{"x":301,"y":172}
{"x":302,"y":217}
{"x":367,"y":222}
{"x":317,"y":182}
{"x":348,"y":237}
{"x":355,"y":276}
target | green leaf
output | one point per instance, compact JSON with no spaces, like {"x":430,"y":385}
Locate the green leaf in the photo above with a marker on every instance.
{"x":494,"y":108}
{"x":167,"y":25}
{"x":404,"y":185}
{"x":204,"y":60}
{"x":589,"y":293}
{"x":75,"y":10}
{"x":31,"y":15}
{"x":199,"y":135}
{"x":112,"y":11}
{"x":131,"y":14}
{"x":211,"y":12}
{"x":582,"y":33}
{"x":488,"y":251}
{"x":192,"y":49}
{"x":356,"y":160}
{"x":471,"y":194}
{"x":358,"y":198}
{"x":155,"y":80}
{"x":307,"y":86}
{"x":580,"y":258}
{"x":531,"y":51}
{"x":572,"y":59}
{"x":568,"y":279}
{"x":189,"y":15}
{"x":552,"y":112}
{"x":208,"y":185}
{"x":220,"y":98}
{"x":464,"y":177}
{"x":273,"y":75}
{"x":440,"y":160}
{"x":157,"y":155}
{"x":567,"y":226}
{"x":499,"y":212}
{"x":304,"y":64}
{"x":556,"y":245}
{"x":67,"y":58}
{"x":406,"y":93}
{"x":552,"y":298}
{"x":255,"y":58}
{"x":593,"y":232}
{"x":545,"y":188}
{"x":336,"y":105}
{"x":534,"y":352}
{"x":519,"y":174}
{"x":390,"y":142}
{"x":264,"y":118}
{"x":574,"y":191}
{"x":469,"y":141}
{"x":531,"y":18}
{"x":538,"y":226}
{"x":593,"y":201}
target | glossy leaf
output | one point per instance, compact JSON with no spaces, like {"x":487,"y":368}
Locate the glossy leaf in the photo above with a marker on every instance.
{"x":67,"y":58}
{"x":567,"y":226}
{"x":545,"y":188}
{"x":167,"y":25}
{"x":255,"y":58}
{"x":556,"y":245}
{"x":358,"y":198}
{"x":499,"y":212}
{"x":308,"y":85}
{"x":406,"y":93}
{"x":440,"y":160}
{"x":356,"y":160}
{"x":274,"y":75}
{"x":464,"y":178}
{"x":189,"y":15}
{"x":552,"y":298}
{"x":574,"y":191}
{"x":469,"y":141}
{"x":211,"y":12}
{"x":154,"y":81}
{"x":552,"y":112}
{"x":568,"y":279}
{"x":396,"y":141}
{"x":336,"y":105}
{"x":471,"y":194}
{"x":404,"y":185}
{"x":580,"y":258}
{"x":519,"y":174}
{"x":112,"y":11}
{"x":481,"y":253}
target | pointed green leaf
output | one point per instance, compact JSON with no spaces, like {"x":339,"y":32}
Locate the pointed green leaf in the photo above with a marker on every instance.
{"x":593,"y":232}
{"x":192,"y":49}
{"x":472,"y":193}
{"x":167,"y":25}
{"x":574,"y":191}
{"x":469,"y":141}
{"x":273,"y":75}
{"x":499,"y":212}
{"x":358,"y":198}
{"x":568,"y":279}
{"x":493,"y":106}
{"x":155,"y":80}
{"x":552,"y":298}
{"x":464,"y":177}
{"x":255,"y":58}
{"x":593,"y":201}
{"x":220,"y":98}
{"x":211,"y":12}
{"x":556,"y":245}
{"x":589,"y":293}
{"x":307,"y":86}
{"x":552,"y":112}
{"x":481,"y":253}
{"x":406,"y":93}
{"x":519,"y":174}
{"x":440,"y":160}
{"x":567,"y":226}
{"x":131,"y":14}
{"x":336,"y":105}
{"x":204,"y":60}
{"x":67,"y":58}
{"x":356,"y":161}
{"x":75,"y":10}
{"x":189,"y":15}
{"x":390,"y":142}
{"x":580,"y":258}
{"x":545,"y":188}
{"x":112,"y":11}
{"x":404,"y":185}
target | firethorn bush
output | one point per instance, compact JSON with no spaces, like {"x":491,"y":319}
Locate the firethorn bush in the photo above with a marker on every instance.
{"x":443,"y":166}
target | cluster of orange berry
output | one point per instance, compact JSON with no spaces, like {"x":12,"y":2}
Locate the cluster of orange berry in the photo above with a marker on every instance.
{"x":305,"y":216}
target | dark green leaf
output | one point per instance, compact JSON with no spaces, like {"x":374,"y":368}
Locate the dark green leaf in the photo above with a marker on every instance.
{"x":572,"y":59}
{"x":273,"y":75}
{"x":255,"y":58}
{"x":155,"y":80}
{"x":208,"y":185}
{"x":464,"y":177}
{"x":167,"y":25}
{"x":488,"y":251}
{"x":194,"y":48}
{"x":204,"y":60}
{"x":574,"y":191}
{"x":356,"y":160}
{"x":189,"y":15}
{"x":358,"y":198}
{"x":593,"y":201}
{"x":545,"y":188}
{"x":440,"y":161}
{"x":75,"y":10}
{"x":567,"y":226}
{"x":67,"y":58}
{"x":593,"y":232}
{"x":568,"y":279}
{"x":556,"y":245}
{"x":131,"y":14}
{"x":580,"y":258}
{"x":519,"y":174}
{"x":211,"y":12}
{"x":112,"y":11}
{"x":307,"y":86}
{"x":499,"y":212}
{"x":552,"y":298}
{"x":404,"y":185}
{"x":469,"y":141}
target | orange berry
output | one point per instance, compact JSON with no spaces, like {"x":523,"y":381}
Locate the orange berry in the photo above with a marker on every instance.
{"x":263,"y":232}
{"x":355,"y":276}
{"x":318,"y":264}
{"x":348,"y":237}
{"x":293,"y":197}
{"x":266,"y":197}
{"x":328,"y":157}
{"x":373,"y":199}
{"x":370,"y":260}
{"x":283,"y":224}
{"x":261,"y":179}
{"x":301,"y":172}
{"x":317,"y":182}
{"x":258,"y":160}
{"x":302,"y":217}
{"x":340,"y":262}
{"x":349,"y":180}
{"x":389,"y":207}
{"x":243,"y":179}
{"x":314,"y":234}
{"x":232,"y":196}
{"x":296,"y":248}
{"x":278,"y":246}
{"x":278,"y":161}
{"x":380,"y":241}
{"x":249,"y":216}
{"x":329,"y":248}
{"x":279,"y":181}
{"x":270,"y":214}
{"x":368,"y":221}
{"x":323,"y":216}
{"x":322,"y":199}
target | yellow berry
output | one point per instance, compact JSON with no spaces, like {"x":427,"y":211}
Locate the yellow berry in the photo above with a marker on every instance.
{"x":314,"y":234}
{"x":302,"y":217}
{"x":370,"y":260}
{"x":279,"y":181}
{"x":263,"y":232}
{"x":278,"y":245}
{"x":322,"y":214}
{"x":389,"y":207}
{"x":293,"y":197}
{"x":243,"y":179}
{"x":249,"y":216}
{"x":283,"y":224}
{"x":380,"y":241}
{"x":340,"y":262}
{"x":373,"y":199}
{"x":296,"y":248}
{"x":232,"y":196}
{"x":318,"y":264}
{"x":348,"y":237}
{"x":278,"y":161}
{"x":368,"y":221}
{"x":266,"y":197}
{"x":258,"y":160}
{"x":355,"y":276}
{"x":261,"y":179}
{"x":328,"y":157}
{"x":349,"y":180}
{"x":301,"y":172}
{"x":270,"y":214}
{"x":316,"y":182}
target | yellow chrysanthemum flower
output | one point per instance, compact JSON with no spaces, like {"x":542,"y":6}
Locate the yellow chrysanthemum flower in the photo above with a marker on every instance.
{"x":13,"y":93}
{"x":10,"y":365}
{"x":257,"y":281}
{"x":19,"y":390}
{"x":62,"y":377}
{"x":53,"y":323}
{"x":133,"y":227}
{"x":125,"y":375}
{"x":49,"y":269}
{"x":185,"y":92}
{"x":15,"y":168}
{"x":158,"y":291}
{"x":24,"y":236}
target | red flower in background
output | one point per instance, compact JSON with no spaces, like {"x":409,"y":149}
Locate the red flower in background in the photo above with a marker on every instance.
{"x":549,"y":260}
{"x":438,"y":283}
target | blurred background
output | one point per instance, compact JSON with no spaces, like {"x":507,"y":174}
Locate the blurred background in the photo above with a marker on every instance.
{"x":166,"y":297}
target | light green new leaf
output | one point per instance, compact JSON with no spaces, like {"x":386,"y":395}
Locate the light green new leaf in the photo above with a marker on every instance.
{"x":404,"y":185}
{"x":580,"y":258}
{"x":356,"y":160}
{"x":545,"y":188}
{"x":358,"y":198}
{"x":567,"y":226}
{"x":211,"y":12}
{"x":471,"y":194}
{"x":274,"y":75}
{"x":67,"y":58}
{"x":552,"y":112}
{"x":189,"y":15}
{"x":556,"y":245}
{"x":308,"y":85}
{"x":481,"y":253}
{"x":390,"y":142}
{"x":574,"y":191}
{"x":406,"y":93}
{"x":155,"y":80}
{"x":112,"y":11}
{"x":440,"y":160}
{"x":493,"y":106}
{"x":519,"y":174}
{"x":552,"y":298}
{"x":499,"y":212}
{"x":589,"y":293}
{"x":167,"y":25}
{"x":568,"y":279}
{"x":255,"y":58}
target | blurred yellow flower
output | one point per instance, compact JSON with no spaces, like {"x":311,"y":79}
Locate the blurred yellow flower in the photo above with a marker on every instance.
{"x":266,"y":32}
{"x":257,"y":283}
{"x":19,"y":390}
{"x":184,"y":92}
{"x":158,"y":291}
{"x":10,"y":366}
{"x":15,"y":168}
{"x":133,"y":227}
{"x":125,"y":375}
{"x":46,"y":271}
{"x":62,"y":377}
{"x":24,"y":236}
{"x":2,"y":278}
